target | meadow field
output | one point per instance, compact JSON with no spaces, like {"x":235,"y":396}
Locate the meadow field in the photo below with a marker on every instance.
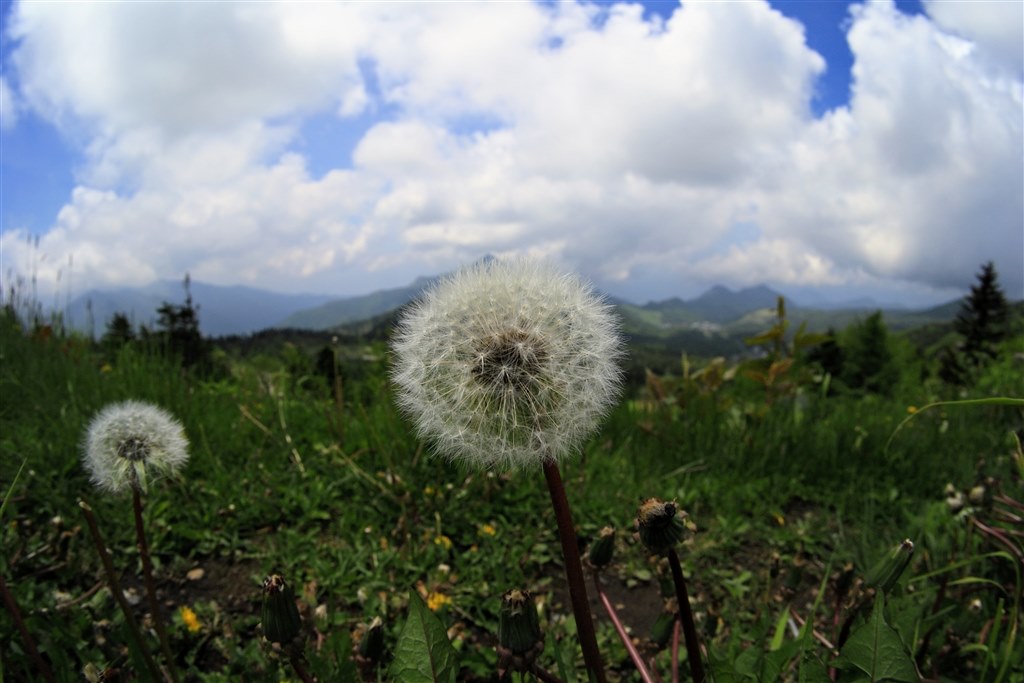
{"x":795,"y":485}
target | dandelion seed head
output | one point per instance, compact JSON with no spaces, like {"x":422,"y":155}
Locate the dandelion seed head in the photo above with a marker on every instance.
{"x":507,"y":364}
{"x":127,"y":443}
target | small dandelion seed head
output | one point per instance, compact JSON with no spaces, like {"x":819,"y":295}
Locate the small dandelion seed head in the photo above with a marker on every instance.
{"x":127,"y":443}
{"x":507,"y":364}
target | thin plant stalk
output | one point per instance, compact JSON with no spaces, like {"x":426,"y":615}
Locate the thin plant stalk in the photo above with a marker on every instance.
{"x":634,"y":655}
{"x":26,"y":637}
{"x":686,"y":616}
{"x":295,"y":657}
{"x":115,"y":588}
{"x":147,"y":571}
{"x":574,"y":573}
{"x":674,"y":654}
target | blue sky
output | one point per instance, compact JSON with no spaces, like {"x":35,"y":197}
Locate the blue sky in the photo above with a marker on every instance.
{"x":827,"y":147}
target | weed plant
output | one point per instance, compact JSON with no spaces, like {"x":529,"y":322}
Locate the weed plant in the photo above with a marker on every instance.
{"x":794,"y":496}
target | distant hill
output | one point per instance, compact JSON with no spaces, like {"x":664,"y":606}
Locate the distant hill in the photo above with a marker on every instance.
{"x":222,"y":310}
{"x":335,"y":312}
{"x":717,"y":314}
{"x":721,"y":304}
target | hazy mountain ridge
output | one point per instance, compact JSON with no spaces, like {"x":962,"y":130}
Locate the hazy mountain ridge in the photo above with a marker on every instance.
{"x":223,"y":310}
{"x":243,"y":310}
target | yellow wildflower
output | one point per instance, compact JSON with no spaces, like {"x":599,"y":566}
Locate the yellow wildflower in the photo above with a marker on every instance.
{"x":488,"y":530}
{"x":443,"y":541}
{"x":436,"y":601}
{"x":190,"y":619}
{"x":911,"y":409}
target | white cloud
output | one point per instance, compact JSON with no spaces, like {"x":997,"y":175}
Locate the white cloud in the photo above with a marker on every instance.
{"x":996,"y":26}
{"x":628,"y":148}
{"x":8,"y":108}
{"x":920,"y":177}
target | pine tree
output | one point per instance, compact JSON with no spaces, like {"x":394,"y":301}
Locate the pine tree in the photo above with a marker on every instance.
{"x":983,"y":317}
{"x":180,"y":335}
{"x":119,"y":333}
{"x":868,"y":362}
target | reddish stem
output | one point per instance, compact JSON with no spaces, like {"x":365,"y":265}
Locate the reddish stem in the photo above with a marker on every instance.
{"x":638,"y":661}
{"x":686,"y":615}
{"x":115,"y":588}
{"x":26,"y":637}
{"x":147,"y":571}
{"x":574,"y":573}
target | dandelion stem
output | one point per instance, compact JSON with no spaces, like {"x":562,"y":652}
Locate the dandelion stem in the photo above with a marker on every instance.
{"x":686,"y":616}
{"x":26,"y":637}
{"x":574,"y":573}
{"x":147,"y":571}
{"x":295,"y":657}
{"x":634,"y":655}
{"x":115,"y":588}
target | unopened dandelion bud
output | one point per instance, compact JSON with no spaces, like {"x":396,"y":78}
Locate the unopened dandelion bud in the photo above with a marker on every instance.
{"x":603,"y":548}
{"x":520,"y":640}
{"x":518,"y":624}
{"x":281,"y":620}
{"x":371,"y":645}
{"x":661,"y":525}
{"x":887,"y":571}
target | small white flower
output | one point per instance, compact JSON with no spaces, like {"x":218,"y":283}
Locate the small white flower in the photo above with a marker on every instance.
{"x":507,"y":363}
{"x":128,"y":441}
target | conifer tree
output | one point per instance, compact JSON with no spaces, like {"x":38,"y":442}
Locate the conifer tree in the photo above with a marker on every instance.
{"x":868,"y":363}
{"x":983,"y":316}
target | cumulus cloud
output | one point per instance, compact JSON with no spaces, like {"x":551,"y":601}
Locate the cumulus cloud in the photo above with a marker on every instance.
{"x":995,"y":28}
{"x":628,"y":147}
{"x":8,"y":110}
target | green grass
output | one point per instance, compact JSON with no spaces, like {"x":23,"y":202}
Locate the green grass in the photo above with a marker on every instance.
{"x":354,"y":511}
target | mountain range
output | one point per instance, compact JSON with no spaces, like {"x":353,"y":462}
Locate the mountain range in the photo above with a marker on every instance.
{"x":238,"y":310}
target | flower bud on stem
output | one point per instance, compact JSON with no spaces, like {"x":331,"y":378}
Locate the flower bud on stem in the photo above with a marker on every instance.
{"x":520,"y":640}
{"x":282,"y":623}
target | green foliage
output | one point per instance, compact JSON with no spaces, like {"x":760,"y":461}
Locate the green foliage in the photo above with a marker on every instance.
{"x":424,"y":653}
{"x":868,"y":361}
{"x":788,"y":483}
{"x":876,"y":649}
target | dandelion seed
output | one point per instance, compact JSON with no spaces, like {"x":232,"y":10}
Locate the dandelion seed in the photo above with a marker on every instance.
{"x":126,"y":442}
{"x":507,"y":364}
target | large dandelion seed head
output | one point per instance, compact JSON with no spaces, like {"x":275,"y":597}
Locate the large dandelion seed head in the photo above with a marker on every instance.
{"x":128,"y":443}
{"x":507,"y":363}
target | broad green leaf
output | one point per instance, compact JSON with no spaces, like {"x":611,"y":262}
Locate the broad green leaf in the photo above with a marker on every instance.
{"x":876,"y":649}
{"x":423,"y":654}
